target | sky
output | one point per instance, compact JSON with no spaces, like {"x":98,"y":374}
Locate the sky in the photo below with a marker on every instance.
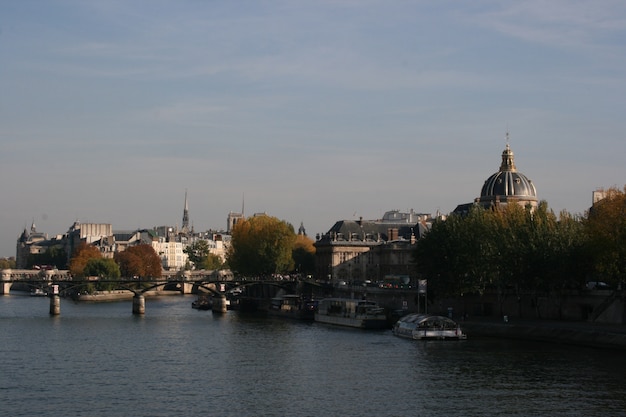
{"x":309,"y":111}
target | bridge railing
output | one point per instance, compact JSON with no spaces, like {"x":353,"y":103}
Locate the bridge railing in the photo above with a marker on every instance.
{"x":35,"y":274}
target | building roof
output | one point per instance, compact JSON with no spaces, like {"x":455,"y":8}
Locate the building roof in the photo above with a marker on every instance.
{"x":383,"y":230}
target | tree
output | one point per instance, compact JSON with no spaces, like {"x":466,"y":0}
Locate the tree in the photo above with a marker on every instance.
{"x":261,"y":245}
{"x":54,"y":256}
{"x":605,"y":227}
{"x":139,"y":261}
{"x":198,"y":253}
{"x":453,"y":254}
{"x":303,"y":254}
{"x":514,"y":250}
{"x":101,"y":267}
{"x":81,"y":255}
{"x":213,"y":261}
{"x":7,"y":263}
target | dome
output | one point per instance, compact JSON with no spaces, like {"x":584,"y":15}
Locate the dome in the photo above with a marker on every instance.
{"x":508,"y":184}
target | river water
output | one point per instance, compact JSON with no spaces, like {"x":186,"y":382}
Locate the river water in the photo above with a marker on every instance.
{"x":100,"y":360}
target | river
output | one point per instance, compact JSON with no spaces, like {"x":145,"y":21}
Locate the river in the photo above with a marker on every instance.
{"x":97,"y":359}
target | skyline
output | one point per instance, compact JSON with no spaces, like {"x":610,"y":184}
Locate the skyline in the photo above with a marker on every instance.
{"x":314,"y":111}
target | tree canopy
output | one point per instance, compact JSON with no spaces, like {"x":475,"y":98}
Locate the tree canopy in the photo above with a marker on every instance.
{"x":605,"y":226}
{"x":53,"y":256}
{"x":81,"y":255}
{"x":512,"y":248}
{"x":199,"y":255}
{"x":261,"y":245}
{"x":7,"y":263}
{"x":101,"y":267}
{"x":139,"y":261}
{"x":303,"y":254}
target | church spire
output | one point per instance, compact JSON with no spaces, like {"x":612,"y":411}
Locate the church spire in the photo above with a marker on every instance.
{"x":186,"y":215}
{"x":301,"y":230}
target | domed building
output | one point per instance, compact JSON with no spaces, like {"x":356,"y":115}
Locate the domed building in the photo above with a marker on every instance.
{"x":506,"y":186}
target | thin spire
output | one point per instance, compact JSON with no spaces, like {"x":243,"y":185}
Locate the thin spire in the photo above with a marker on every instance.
{"x":186,"y":215}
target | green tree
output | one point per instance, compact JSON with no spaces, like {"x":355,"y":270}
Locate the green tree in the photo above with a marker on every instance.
{"x":441,"y":257}
{"x":54,"y":256}
{"x":261,"y":245}
{"x":213,"y":261}
{"x":436,"y":257}
{"x":102,"y":267}
{"x":198,"y":253}
{"x":515,"y":250}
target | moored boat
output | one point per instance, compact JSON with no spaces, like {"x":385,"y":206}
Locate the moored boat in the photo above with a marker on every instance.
{"x":425,"y":326}
{"x":203,"y":302}
{"x":38,"y":292}
{"x":293,"y":306}
{"x":349,"y":312}
{"x":206,"y":302}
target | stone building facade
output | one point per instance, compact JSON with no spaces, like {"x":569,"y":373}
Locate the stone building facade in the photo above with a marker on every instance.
{"x":30,"y":242}
{"x":354,"y":252}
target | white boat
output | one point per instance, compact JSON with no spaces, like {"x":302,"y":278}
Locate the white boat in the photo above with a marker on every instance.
{"x":349,"y":312}
{"x":424,"y":326}
{"x":38,"y":292}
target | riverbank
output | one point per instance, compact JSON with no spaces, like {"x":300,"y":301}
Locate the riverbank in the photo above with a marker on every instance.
{"x":600,"y":335}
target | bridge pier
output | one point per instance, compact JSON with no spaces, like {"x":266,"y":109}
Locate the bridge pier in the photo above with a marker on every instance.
{"x":187,"y":287}
{"x":5,"y":288}
{"x":55,"y":304}
{"x":219,"y":304}
{"x":139,"y":304}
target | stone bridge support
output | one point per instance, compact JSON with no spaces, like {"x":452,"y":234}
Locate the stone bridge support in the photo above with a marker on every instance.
{"x":5,"y":288}
{"x":219,"y":304}
{"x":139,"y":304}
{"x":187,"y":287}
{"x":55,"y":305}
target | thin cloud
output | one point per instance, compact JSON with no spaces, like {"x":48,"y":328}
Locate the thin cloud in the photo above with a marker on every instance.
{"x":570,"y":24}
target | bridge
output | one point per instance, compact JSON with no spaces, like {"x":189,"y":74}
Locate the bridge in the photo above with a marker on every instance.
{"x":57,"y":284}
{"x":255,"y":292}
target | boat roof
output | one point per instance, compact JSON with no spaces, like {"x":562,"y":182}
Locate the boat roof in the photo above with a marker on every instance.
{"x":351,"y":300}
{"x":419,"y":318}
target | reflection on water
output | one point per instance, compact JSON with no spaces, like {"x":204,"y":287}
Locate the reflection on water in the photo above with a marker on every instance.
{"x":100,"y":360}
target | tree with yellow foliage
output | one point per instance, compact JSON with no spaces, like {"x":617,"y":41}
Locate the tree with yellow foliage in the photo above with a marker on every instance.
{"x":261,"y":245}
{"x":605,"y":226}
{"x":303,"y":254}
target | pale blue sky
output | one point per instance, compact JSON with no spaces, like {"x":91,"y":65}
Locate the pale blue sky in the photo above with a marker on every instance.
{"x":316,"y":111}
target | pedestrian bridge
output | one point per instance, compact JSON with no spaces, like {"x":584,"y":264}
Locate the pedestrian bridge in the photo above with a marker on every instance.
{"x":56,"y":284}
